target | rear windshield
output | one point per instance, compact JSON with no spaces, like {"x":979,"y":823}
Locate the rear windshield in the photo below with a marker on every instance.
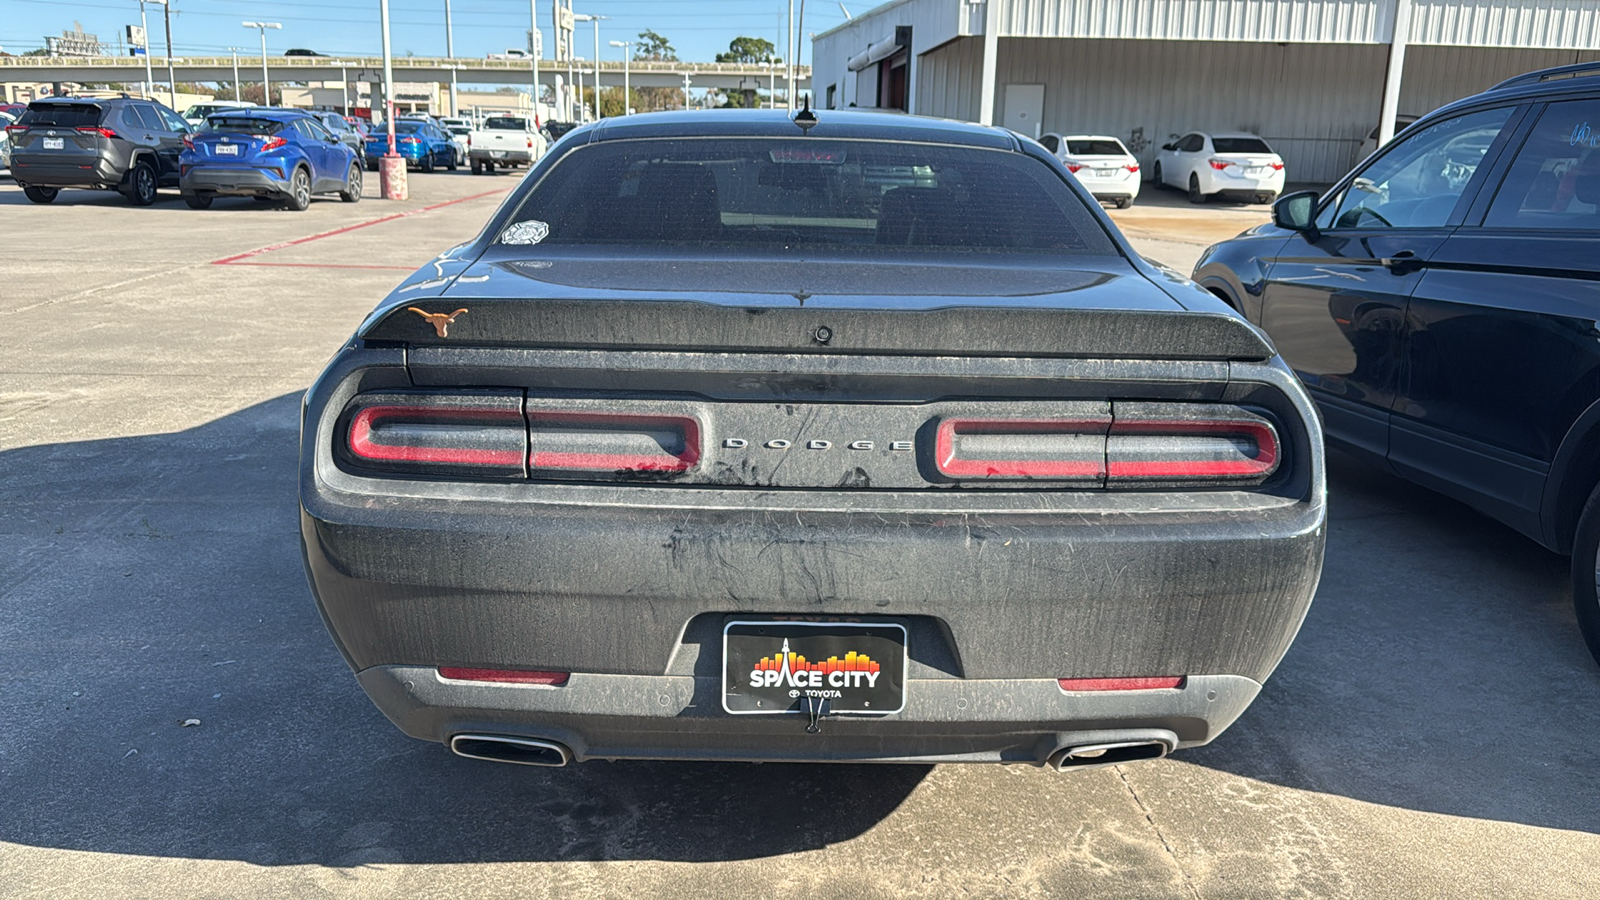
{"x":66,"y":115}
{"x":505,"y":123}
{"x":806,"y":193}
{"x":406,"y":127}
{"x":241,"y":124}
{"x":1096,"y":148}
{"x":1240,"y":145}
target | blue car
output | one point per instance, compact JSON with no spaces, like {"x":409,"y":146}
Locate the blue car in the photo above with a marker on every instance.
{"x":424,"y":145}
{"x":268,"y":154}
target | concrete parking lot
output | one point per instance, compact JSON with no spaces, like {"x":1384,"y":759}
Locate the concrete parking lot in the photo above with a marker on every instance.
{"x":1432,"y":732}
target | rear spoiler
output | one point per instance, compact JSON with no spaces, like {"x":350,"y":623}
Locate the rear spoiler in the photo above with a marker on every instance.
{"x":707,"y":327}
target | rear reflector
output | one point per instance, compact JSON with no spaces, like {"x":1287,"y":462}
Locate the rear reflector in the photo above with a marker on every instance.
{"x":1054,"y":449}
{"x":474,"y":434}
{"x":1121,"y":684}
{"x":505,"y":676}
{"x":593,"y":442}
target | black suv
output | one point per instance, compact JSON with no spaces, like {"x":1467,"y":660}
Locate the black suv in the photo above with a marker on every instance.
{"x":1442,"y":303}
{"x":119,"y":144}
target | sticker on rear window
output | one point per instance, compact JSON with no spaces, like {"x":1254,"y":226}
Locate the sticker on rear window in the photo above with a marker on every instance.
{"x":529,"y":232}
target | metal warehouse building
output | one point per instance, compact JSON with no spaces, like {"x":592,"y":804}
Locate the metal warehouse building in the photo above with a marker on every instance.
{"x":1314,"y":77}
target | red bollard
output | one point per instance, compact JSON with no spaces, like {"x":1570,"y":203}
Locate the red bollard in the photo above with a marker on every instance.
{"x":393,"y":180}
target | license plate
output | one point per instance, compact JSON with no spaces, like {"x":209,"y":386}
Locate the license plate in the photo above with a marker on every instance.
{"x":1105,"y":173}
{"x":772,"y":666}
{"x":497,"y":154}
{"x":1256,"y":171}
{"x":54,"y":143}
{"x":227,"y":149}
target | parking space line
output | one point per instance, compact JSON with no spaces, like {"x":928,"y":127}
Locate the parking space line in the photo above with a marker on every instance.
{"x":236,"y":260}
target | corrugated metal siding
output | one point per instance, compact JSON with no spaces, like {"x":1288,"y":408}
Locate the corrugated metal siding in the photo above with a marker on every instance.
{"x":1313,"y":102}
{"x":1438,"y":75}
{"x":949,"y":79}
{"x":1301,"y":21}
{"x":1566,"y":24}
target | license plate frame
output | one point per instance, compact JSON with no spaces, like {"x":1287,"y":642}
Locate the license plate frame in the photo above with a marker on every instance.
{"x":843,"y":684}
{"x":55,"y":143}
{"x":227,"y":149}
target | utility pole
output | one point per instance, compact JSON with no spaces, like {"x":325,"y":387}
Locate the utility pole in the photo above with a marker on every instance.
{"x":799,"y":42}
{"x":235,"y":52}
{"x":392,"y":167}
{"x":585,"y":17}
{"x":788,"y":59}
{"x":266,"y":87}
{"x":686,"y":90}
{"x":627,"y":57}
{"x":172,"y":81}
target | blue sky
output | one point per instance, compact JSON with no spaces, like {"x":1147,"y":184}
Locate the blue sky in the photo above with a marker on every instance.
{"x":698,"y":29}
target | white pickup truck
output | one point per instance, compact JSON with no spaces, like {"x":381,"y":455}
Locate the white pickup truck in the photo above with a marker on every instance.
{"x":506,"y":141}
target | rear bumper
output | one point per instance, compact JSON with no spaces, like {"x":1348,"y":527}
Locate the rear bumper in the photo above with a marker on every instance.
{"x":516,"y":156}
{"x":45,"y":172}
{"x":231,"y":180}
{"x":680,"y":717}
{"x":628,"y":587}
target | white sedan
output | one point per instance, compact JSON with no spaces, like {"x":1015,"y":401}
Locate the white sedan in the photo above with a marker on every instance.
{"x":1101,"y":164}
{"x":1234,"y":164}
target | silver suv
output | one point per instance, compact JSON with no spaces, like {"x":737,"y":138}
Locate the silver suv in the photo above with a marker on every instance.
{"x":120,"y":144}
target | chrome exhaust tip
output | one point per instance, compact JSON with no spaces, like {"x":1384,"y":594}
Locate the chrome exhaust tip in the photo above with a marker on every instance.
{"x":520,"y":751}
{"x":1089,"y":756}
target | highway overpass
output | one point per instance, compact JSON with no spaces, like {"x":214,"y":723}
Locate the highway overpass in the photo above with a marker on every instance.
{"x":287,"y":69}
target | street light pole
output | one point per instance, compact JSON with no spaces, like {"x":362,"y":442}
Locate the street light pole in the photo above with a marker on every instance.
{"x":627,"y":62}
{"x":584,"y":17}
{"x":788,"y":60}
{"x":235,"y":52}
{"x":533,"y":56}
{"x":266,"y":87}
{"x":172,"y":78}
{"x":450,"y":53}
{"x":392,"y":184}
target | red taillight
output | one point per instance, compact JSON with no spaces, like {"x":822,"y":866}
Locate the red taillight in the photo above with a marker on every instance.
{"x":568,"y":441}
{"x":1155,"y":448}
{"x":102,"y":132}
{"x":1055,"y":449}
{"x":1219,"y":164}
{"x":1165,"y":682}
{"x":530,"y":143}
{"x":1073,"y":166}
{"x":16,"y":129}
{"x":478,"y":435}
{"x":1132,"y":168}
{"x":469,"y":140}
{"x":505,"y":676}
{"x":273,"y":143}
{"x":407,"y":140}
{"x":1277,"y":166}
{"x":188,"y":142}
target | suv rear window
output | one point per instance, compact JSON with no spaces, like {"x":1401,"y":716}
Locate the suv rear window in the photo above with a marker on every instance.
{"x":505,"y":123}
{"x":1240,"y":145}
{"x":1096,"y":148}
{"x":66,"y":115}
{"x":809,"y":193}
{"x":241,"y":125}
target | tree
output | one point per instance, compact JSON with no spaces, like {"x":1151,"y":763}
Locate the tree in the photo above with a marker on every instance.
{"x":748,"y":50}
{"x":653,"y":47}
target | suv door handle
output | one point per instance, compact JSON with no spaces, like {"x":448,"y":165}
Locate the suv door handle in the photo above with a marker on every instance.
{"x":1402,"y":262}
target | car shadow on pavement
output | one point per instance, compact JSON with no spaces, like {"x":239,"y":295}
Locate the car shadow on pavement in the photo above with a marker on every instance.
{"x":1439,"y":669}
{"x":156,"y":580}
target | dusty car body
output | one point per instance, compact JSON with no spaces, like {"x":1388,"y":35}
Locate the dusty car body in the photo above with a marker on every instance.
{"x":676,"y":461}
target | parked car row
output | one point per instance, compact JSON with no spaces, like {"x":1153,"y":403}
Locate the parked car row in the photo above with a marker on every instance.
{"x":1240,"y":166}
{"x":136,"y":146}
{"x":1440,"y":305}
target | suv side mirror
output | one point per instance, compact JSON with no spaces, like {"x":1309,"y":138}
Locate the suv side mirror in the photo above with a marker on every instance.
{"x":1296,"y":211}
{"x":1169,"y":147}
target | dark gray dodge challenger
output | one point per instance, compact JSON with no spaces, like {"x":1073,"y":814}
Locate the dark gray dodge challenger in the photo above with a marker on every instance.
{"x":844,"y":437}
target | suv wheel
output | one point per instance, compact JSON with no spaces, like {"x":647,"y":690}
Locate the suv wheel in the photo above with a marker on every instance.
{"x":299,"y":191}
{"x":1194,"y":189}
{"x":1586,"y":573}
{"x":141,"y":189}
{"x":198,"y":201}
{"x":41,"y":194}
{"x":452,"y":165}
{"x":352,"y":185}
{"x":1155,"y":176}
